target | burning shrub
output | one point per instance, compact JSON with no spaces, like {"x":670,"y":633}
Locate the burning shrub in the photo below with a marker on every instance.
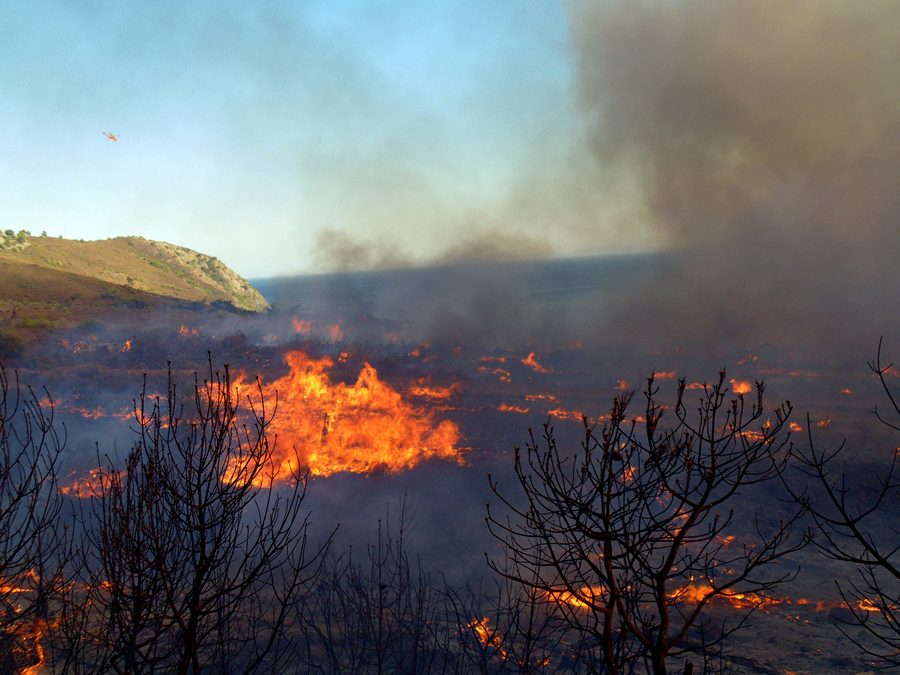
{"x":619,"y":536}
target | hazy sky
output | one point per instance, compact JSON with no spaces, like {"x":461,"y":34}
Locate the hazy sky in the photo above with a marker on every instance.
{"x":289,"y":136}
{"x":294,"y":136}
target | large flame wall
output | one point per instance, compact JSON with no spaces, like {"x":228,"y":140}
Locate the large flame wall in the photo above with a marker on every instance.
{"x":362,"y":427}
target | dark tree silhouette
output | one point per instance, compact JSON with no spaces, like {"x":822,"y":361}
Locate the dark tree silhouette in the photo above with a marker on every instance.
{"x":32,"y":539}
{"x":505,"y":628}
{"x":193,"y":561}
{"x":381,"y":615}
{"x":630,"y":536}
{"x":853,"y":522}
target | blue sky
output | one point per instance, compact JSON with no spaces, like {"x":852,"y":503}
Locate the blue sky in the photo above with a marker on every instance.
{"x":286,"y":137}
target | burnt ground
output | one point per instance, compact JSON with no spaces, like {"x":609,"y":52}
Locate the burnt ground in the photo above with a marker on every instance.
{"x":506,"y":381}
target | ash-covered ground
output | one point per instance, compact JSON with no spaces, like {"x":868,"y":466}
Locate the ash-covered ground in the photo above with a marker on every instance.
{"x":494,"y":351}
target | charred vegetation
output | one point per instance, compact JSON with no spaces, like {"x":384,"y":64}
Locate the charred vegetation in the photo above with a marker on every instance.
{"x":851,"y":501}
{"x":631,"y":537}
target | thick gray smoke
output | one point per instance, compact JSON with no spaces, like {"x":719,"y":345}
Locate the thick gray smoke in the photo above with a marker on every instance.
{"x":766,"y":138}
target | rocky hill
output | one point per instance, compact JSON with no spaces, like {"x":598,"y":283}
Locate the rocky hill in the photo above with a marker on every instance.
{"x":48,"y":283}
{"x":132,"y":263}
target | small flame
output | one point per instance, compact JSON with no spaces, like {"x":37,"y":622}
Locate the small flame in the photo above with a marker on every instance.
{"x":741,"y":386}
{"x":504,"y":375}
{"x":582,"y":598}
{"x":486,"y":635}
{"x":533,"y":364}
{"x":511,"y":408}
{"x":538,"y":397}
{"x":127,"y":346}
{"x":562,"y":414}
{"x":85,"y":487}
{"x":423,"y":390}
{"x":302,"y":326}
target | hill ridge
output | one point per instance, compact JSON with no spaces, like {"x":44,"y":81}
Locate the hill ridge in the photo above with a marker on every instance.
{"x":136,"y":263}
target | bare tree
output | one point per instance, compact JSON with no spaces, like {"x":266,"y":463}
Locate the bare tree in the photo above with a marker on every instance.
{"x":32,"y":539}
{"x":381,"y":615}
{"x":630,"y":536}
{"x":193,"y":560}
{"x":853,"y":520}
{"x":504,"y":628}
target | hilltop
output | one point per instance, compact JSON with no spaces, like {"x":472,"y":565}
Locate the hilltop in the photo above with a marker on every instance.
{"x":48,"y":282}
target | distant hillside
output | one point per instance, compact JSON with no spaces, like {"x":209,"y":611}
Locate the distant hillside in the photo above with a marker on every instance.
{"x":136,"y":263}
{"x":48,"y":282}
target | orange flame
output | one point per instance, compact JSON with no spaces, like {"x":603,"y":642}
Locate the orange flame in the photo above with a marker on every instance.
{"x":741,"y":386}
{"x":582,"y":598}
{"x":562,"y":414}
{"x":127,"y":346}
{"x":533,"y":364}
{"x":511,"y":408}
{"x":361,"y":427}
{"x":486,"y":635}
{"x":302,"y":326}
{"x":691,"y":592}
{"x":504,"y":375}
{"x":85,"y":487}
{"x":423,"y":390}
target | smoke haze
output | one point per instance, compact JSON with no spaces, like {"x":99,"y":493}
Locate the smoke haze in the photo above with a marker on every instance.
{"x":766,"y":141}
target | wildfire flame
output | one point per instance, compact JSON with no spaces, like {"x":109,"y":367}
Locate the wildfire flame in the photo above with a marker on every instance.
{"x":302,"y":326}
{"x":504,"y":375}
{"x":22,"y":638}
{"x":361,"y":427}
{"x":692,"y":592}
{"x":486,"y":635}
{"x":562,"y":414}
{"x":84,"y":487}
{"x":532,"y":363}
{"x":504,"y":407}
{"x":741,"y":386}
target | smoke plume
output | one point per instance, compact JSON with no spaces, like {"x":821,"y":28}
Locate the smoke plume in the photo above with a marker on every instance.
{"x":766,"y":140}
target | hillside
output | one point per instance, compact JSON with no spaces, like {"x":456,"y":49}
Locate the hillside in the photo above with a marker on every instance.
{"x":48,"y":282}
{"x":136,"y":263}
